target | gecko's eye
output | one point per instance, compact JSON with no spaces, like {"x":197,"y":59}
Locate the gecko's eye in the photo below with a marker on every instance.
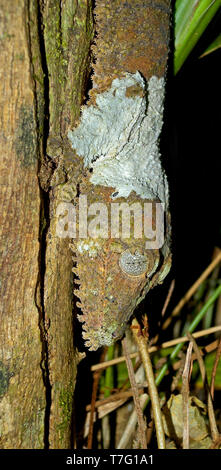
{"x":138,"y":264}
{"x":133,"y":264}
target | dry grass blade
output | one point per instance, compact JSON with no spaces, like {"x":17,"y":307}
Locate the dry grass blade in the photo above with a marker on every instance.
{"x":185,"y":396}
{"x":192,"y":290}
{"x":165,"y":305}
{"x":168,"y":297}
{"x":117,"y":396}
{"x":129,"y":430}
{"x":96,"y":378}
{"x":215,"y":365}
{"x":152,"y":389}
{"x":206,"y":350}
{"x":211,"y":414}
{"x":216,"y":444}
{"x":105,"y":410}
{"x":140,"y":419}
{"x":167,"y":344}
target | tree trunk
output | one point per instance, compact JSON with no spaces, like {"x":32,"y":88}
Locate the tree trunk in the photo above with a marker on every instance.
{"x":23,"y":401}
{"x":45,"y":49}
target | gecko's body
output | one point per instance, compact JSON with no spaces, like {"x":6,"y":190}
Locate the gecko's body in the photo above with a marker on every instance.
{"x":117,"y":141}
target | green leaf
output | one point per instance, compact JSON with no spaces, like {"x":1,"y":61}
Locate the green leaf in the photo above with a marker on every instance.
{"x":216,"y":44}
{"x":109,"y":373}
{"x":191,"y":19}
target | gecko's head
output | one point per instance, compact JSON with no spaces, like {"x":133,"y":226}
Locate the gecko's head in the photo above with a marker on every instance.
{"x":114,"y":269}
{"x":111,"y":284}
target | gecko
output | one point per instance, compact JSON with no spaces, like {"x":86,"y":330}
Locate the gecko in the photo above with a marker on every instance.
{"x":116,"y":142}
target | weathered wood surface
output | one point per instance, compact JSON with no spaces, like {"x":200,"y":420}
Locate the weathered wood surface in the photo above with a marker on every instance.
{"x":44,"y":63}
{"x":23,"y":401}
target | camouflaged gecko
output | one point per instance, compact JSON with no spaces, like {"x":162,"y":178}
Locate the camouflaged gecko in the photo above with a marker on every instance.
{"x":117,"y":141}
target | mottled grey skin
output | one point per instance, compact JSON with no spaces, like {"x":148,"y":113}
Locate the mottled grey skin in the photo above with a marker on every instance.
{"x":118,"y":138}
{"x":118,"y":141}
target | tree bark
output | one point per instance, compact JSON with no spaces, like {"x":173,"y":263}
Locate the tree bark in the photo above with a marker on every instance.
{"x":67,"y":37}
{"x":45,"y":50}
{"x":23,"y":402}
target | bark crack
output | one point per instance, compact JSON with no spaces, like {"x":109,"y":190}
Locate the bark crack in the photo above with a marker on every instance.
{"x":44,"y":217}
{"x":42,"y":130}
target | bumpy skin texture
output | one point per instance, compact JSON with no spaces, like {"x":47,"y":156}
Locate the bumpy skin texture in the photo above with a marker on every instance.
{"x":109,"y":289}
{"x":117,"y":141}
{"x":122,"y":130}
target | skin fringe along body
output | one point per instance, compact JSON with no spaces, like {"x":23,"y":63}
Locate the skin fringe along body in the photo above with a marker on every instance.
{"x":117,"y":142}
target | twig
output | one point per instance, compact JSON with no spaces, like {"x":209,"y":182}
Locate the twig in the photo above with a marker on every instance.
{"x":205,"y":350}
{"x":124,"y":395}
{"x":96,"y":378}
{"x":215,"y":365}
{"x":185,"y":396}
{"x":216,"y":444}
{"x":192,"y":289}
{"x":177,"y":365}
{"x":195,"y":322}
{"x":166,"y":344}
{"x":179,"y":346}
{"x":150,"y":429}
{"x":211,"y":414}
{"x":141,"y":423}
{"x":168,"y":297}
{"x":118,"y":396}
{"x":165,"y":305}
{"x":109,"y":408}
{"x":128,"y":431}
{"x":152,"y":389}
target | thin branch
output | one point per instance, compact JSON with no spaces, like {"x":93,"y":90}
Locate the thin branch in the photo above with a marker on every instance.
{"x":152,"y":389}
{"x":216,"y":444}
{"x":205,"y":350}
{"x":165,"y":305}
{"x":166,"y":344}
{"x":179,"y":346}
{"x":124,"y":395}
{"x":168,"y":297}
{"x":197,"y":319}
{"x":192,"y":290}
{"x":140,"y":419}
{"x":211,"y":414}
{"x":185,"y":396}
{"x":150,"y":429}
{"x":129,"y":430}
{"x":96,"y":377}
{"x":117,"y":396}
{"x":215,"y":365}
{"x":109,"y":408}
{"x":121,"y":397}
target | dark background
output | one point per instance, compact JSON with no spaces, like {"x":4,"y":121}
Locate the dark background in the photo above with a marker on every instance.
{"x":192,"y":158}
